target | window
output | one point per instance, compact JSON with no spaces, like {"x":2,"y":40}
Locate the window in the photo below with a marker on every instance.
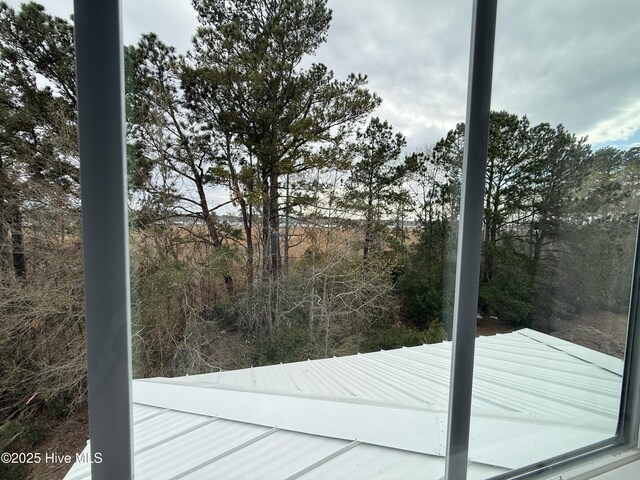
{"x":102,"y":140}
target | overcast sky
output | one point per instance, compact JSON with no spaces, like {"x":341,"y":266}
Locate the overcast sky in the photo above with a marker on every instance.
{"x":574,"y":62}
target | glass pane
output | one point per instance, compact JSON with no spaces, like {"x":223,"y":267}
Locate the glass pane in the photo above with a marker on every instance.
{"x":290,"y":235}
{"x":42,"y":345}
{"x":561,"y":211}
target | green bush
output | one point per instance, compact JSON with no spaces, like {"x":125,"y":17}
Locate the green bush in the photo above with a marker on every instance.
{"x":388,"y":336}
{"x":19,"y":435}
{"x":285,"y":345}
{"x":421,"y":296}
{"x":424,"y":283}
{"x":12,"y":471}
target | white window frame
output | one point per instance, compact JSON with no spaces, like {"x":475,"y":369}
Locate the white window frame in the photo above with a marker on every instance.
{"x":103,"y":185}
{"x":100,"y":80}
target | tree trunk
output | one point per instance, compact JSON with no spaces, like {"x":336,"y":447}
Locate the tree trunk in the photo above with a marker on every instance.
{"x":245,"y":209}
{"x":286,"y":226}
{"x":368,"y":227}
{"x":247,"y":222}
{"x":266,"y":226}
{"x":274,"y":223}
{"x":539,"y":239}
{"x":212,"y":228}
{"x":493,"y":234}
{"x":4,"y":248}
{"x":367,"y":240}
{"x":5,"y":256}
{"x":204,"y":208}
{"x":488,"y":252}
{"x":17,"y":245}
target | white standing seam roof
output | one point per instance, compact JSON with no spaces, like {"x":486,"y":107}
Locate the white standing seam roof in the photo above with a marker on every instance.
{"x":380,"y":415}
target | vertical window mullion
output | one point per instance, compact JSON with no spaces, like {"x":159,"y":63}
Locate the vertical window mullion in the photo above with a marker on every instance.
{"x":470,"y":236}
{"x":100,"y":86}
{"x":629,"y":419}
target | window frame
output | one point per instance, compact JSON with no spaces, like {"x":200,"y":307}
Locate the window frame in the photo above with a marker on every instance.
{"x":467,"y":283}
{"x":103,"y":186}
{"x":100,"y":84}
{"x":467,"y":286}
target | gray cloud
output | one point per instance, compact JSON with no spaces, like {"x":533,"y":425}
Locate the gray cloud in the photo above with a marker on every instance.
{"x":173,"y":20}
{"x":573,"y":62}
{"x":415,"y":54}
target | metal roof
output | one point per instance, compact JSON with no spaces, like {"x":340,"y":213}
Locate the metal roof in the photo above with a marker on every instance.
{"x":375,"y":415}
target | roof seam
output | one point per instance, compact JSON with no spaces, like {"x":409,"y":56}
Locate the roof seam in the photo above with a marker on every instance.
{"x":153,"y":445}
{"x":324,"y":460}
{"x":176,"y":435}
{"x":225,"y":454}
{"x":318,"y":368}
{"x":395,"y":387}
{"x":153,"y":415}
{"x":286,"y":371}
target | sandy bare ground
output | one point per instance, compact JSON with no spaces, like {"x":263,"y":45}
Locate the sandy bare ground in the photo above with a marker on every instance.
{"x":63,"y":437}
{"x":603,"y":331}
